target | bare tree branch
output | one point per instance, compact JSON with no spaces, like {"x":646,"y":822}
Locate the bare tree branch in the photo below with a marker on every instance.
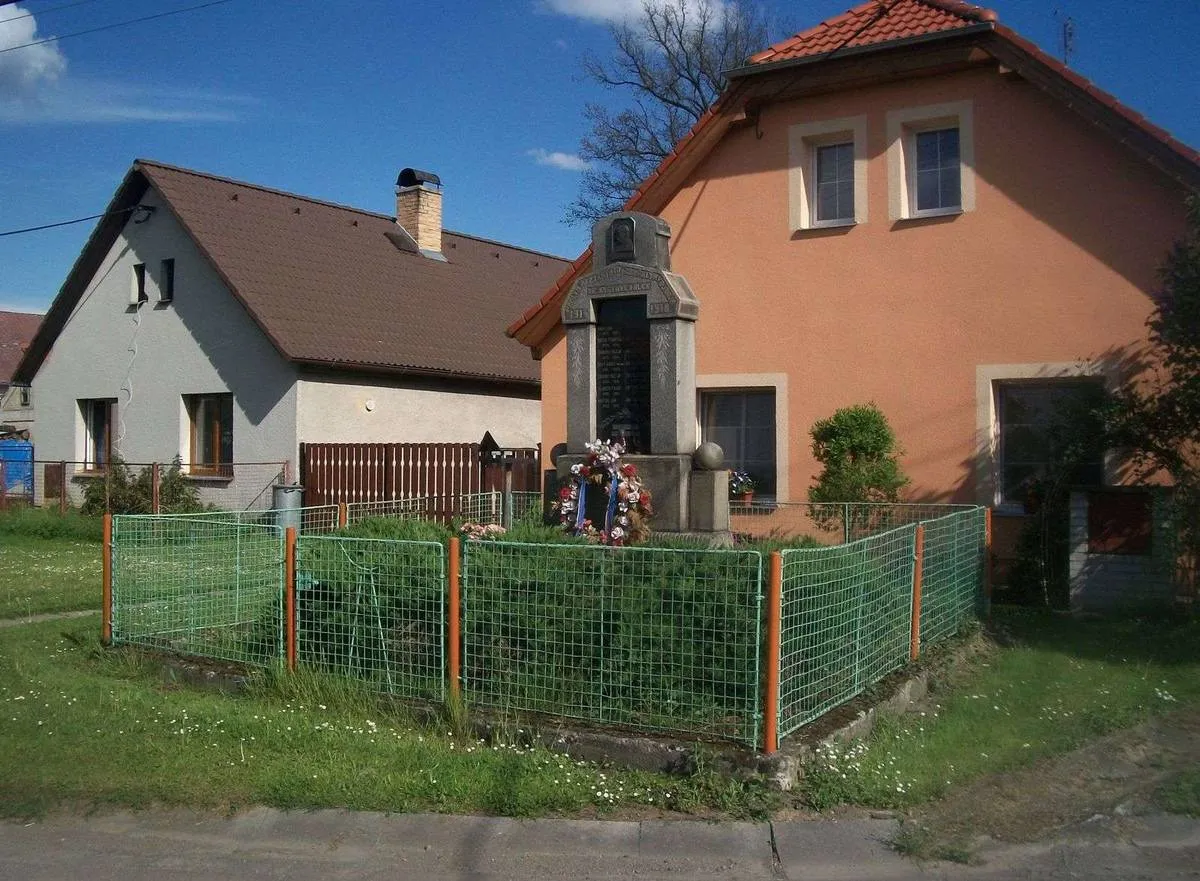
{"x":670,"y":62}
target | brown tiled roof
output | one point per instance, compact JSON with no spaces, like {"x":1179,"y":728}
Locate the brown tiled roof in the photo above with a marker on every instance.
{"x":878,"y":25}
{"x":16,"y":332}
{"x":329,"y":288}
{"x":877,"y":21}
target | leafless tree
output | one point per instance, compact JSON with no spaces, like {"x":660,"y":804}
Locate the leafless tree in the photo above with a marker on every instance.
{"x":670,"y":61}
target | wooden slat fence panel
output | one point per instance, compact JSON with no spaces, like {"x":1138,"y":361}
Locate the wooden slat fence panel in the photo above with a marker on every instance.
{"x":333,"y":473}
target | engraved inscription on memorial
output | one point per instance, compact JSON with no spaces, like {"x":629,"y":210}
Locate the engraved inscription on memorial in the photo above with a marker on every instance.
{"x":623,"y":372}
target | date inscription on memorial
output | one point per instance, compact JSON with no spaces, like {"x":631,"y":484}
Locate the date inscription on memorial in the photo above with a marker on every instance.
{"x":623,"y":372}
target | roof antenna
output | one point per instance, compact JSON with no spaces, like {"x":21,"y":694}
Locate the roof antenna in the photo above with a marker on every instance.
{"x":1066,"y":35}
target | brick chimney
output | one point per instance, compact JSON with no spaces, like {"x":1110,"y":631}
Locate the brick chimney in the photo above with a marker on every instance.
{"x":419,"y":208}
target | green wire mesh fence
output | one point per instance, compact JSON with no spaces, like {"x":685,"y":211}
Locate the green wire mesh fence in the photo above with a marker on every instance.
{"x":846,"y":619}
{"x":653,"y":639}
{"x":375,"y":611}
{"x":952,"y":573}
{"x":198,"y":586}
{"x":830,"y":522}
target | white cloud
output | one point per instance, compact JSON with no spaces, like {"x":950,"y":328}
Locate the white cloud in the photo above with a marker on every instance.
{"x":557,"y":159}
{"x":34,"y":89}
{"x":608,"y":10}
{"x":23,"y":72}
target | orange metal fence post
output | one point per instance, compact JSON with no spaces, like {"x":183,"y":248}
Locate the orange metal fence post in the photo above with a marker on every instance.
{"x":987,"y":562}
{"x":774,"y":629}
{"x":106,"y":571}
{"x":289,"y":566}
{"x":62,"y":488}
{"x":3,"y":488}
{"x":454,"y":610}
{"x":918,"y":565}
{"x":155,"y":479}
{"x":343,"y":515}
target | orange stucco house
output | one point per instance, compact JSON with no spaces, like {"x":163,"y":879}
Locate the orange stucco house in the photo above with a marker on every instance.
{"x":908,"y":204}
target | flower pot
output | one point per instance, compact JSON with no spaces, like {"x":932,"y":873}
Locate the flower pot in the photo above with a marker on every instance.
{"x":747,"y":498}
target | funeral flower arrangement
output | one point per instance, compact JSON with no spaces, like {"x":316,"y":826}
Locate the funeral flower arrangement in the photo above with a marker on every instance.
{"x":481,"y":531}
{"x":627,"y":512}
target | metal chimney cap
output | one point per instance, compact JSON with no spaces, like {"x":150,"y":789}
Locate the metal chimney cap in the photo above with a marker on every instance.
{"x":412,"y":177}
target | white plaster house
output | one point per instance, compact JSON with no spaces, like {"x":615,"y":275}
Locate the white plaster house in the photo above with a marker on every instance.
{"x":224,"y":322}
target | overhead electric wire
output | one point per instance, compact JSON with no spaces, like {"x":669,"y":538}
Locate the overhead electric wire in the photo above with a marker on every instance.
{"x":116,"y":24}
{"x":43,"y":11}
{"x":16,"y":232}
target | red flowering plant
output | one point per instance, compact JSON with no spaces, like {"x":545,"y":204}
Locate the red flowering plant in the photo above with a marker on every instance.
{"x":628,"y":510}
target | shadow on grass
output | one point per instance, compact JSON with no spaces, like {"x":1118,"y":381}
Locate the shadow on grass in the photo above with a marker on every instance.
{"x":1131,"y":638}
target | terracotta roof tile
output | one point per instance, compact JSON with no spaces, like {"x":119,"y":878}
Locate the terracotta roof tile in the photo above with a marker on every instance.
{"x":327,"y":286}
{"x":16,"y":332}
{"x":877,"y":21}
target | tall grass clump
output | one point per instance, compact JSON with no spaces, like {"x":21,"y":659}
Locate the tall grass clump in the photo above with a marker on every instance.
{"x":24,"y":522}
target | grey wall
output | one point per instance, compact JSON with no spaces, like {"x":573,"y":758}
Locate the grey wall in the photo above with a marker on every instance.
{"x":148,"y":357}
{"x":1112,"y":581}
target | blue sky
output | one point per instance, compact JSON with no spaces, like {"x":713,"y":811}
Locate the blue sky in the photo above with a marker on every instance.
{"x":331,"y":98}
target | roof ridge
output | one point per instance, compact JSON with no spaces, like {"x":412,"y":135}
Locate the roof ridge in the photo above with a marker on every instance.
{"x":252,"y":186}
{"x":969,"y":12}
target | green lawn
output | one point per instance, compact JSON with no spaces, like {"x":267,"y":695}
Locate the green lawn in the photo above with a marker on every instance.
{"x":81,"y":726}
{"x":1056,"y":684}
{"x":47,"y":575}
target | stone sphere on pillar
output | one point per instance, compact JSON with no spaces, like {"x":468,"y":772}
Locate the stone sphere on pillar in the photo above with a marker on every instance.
{"x":708,"y":457}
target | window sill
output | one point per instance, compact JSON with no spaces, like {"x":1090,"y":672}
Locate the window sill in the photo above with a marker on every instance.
{"x":208,"y":477}
{"x":934,"y":212}
{"x":832,"y":224}
{"x":90,"y":473}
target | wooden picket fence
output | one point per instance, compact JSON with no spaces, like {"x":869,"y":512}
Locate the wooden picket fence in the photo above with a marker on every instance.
{"x":334,"y":473}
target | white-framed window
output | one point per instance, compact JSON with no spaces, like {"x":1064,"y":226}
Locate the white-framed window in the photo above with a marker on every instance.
{"x":931,"y":161}
{"x":1037,"y":420}
{"x":827,"y":173}
{"x":137,"y":285}
{"x":833,"y":174}
{"x":210,"y":421}
{"x":937,"y":172}
{"x":98,"y":415}
{"x":742,"y":422}
{"x":166,"y":280}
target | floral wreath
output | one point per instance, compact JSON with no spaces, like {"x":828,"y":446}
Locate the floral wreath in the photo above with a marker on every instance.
{"x":628,"y":512}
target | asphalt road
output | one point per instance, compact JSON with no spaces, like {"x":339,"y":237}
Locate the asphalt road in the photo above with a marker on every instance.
{"x":329,"y":845}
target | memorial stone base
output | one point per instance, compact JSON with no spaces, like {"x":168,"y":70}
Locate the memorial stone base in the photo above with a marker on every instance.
{"x":684,"y":500}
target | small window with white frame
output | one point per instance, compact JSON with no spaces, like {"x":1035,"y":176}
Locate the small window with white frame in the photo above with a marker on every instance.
{"x":931,"y":159}
{"x":828,"y":173}
{"x":137,"y":285}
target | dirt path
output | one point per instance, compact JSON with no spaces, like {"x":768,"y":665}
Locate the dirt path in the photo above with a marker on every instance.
{"x":1104,"y":783}
{"x":48,"y":616}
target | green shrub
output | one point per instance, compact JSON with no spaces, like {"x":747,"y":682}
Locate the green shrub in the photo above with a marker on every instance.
{"x":858,"y":450}
{"x":45,"y":523}
{"x":119,"y":491}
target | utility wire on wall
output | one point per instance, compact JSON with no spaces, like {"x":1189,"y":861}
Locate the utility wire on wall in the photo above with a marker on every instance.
{"x":17,"y":232}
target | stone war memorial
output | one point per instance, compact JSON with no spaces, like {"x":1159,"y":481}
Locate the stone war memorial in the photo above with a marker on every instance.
{"x":631,"y":376}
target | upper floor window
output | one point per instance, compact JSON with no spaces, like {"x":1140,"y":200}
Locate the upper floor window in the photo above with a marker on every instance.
{"x":211,"y":421}
{"x":166,"y":280}
{"x":834,"y":174}
{"x":97,"y":414}
{"x":931,"y":160}
{"x":137,"y":292}
{"x":827,"y":173}
{"x":937,"y":182}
